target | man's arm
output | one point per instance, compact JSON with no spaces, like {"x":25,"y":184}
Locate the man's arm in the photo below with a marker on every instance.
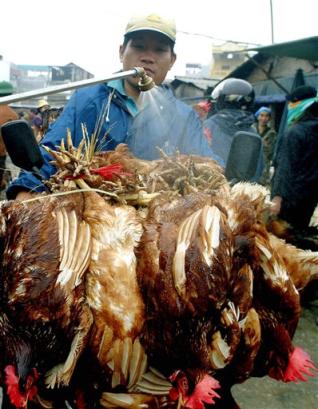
{"x":26,"y":181}
{"x":23,"y":195}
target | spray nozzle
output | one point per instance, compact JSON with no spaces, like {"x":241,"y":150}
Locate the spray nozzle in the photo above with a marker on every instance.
{"x":145,"y":82}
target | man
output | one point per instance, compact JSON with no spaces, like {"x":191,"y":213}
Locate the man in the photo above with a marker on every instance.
{"x":6,"y":114}
{"x":294,"y":188}
{"x":268,"y":135}
{"x":112,"y":109}
{"x":43,"y":111}
{"x":43,"y":106}
{"x":234,"y":98}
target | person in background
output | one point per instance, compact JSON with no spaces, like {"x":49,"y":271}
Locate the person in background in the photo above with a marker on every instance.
{"x":35,"y":121}
{"x":23,"y":115}
{"x":44,"y":111}
{"x":115,"y":111}
{"x":295,"y":183}
{"x":6,"y":114}
{"x":36,"y":125}
{"x":234,"y":101}
{"x":43,"y":106}
{"x":268,"y":135}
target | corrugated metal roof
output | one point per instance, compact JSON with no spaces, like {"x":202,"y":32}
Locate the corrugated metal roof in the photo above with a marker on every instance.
{"x":269,"y":87}
{"x":305,"y":48}
{"x":202,"y":83}
{"x":30,"y":67}
{"x":245,"y":69}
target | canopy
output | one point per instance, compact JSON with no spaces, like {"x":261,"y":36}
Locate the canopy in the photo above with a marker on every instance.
{"x":306,"y":48}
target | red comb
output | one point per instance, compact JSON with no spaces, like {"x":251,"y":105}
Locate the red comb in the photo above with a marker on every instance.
{"x":299,"y":365}
{"x":108,"y":172}
{"x":203,"y":393}
{"x":18,"y":398}
{"x":12,"y":381}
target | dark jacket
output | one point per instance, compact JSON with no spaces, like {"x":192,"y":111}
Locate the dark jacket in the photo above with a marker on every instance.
{"x":165,"y":122}
{"x":221,"y":128}
{"x":269,"y":139}
{"x":296,"y":174}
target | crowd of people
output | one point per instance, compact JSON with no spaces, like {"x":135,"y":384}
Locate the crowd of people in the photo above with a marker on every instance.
{"x":40,"y":117}
{"x":294,"y":187}
{"x":114,"y":113}
{"x":286,"y":167}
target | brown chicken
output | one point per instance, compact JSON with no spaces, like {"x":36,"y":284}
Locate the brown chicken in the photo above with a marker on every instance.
{"x":112,"y":291}
{"x":275,"y":297}
{"x":44,"y":318}
{"x":119,"y":314}
{"x":124,"y":178}
{"x":72,"y":275}
{"x":165,"y":310}
{"x":218,"y":297}
{"x":197,"y":286}
{"x":302,"y":265}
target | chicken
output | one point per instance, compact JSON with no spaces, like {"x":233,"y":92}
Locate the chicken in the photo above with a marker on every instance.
{"x":130,"y":180}
{"x":275,"y":297}
{"x":118,"y":309}
{"x":71,"y":277}
{"x":168,"y":306}
{"x":112,"y":291}
{"x":121,"y":155}
{"x":217,"y":294}
{"x":302,"y":265}
{"x":197,"y":287}
{"x":44,"y":318}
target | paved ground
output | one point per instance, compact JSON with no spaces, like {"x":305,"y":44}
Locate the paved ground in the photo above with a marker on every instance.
{"x":266,"y":393}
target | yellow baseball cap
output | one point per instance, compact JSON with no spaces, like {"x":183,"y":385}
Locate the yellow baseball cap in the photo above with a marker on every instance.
{"x":152,"y":22}
{"x":42,"y":103}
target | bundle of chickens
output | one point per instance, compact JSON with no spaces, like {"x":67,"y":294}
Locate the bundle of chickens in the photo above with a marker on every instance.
{"x":126,"y":179}
{"x":104,"y":308}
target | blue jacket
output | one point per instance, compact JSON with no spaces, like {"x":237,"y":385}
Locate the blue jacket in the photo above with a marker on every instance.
{"x":165,"y":122}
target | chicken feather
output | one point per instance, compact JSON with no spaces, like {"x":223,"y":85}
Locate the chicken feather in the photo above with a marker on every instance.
{"x":111,"y":289}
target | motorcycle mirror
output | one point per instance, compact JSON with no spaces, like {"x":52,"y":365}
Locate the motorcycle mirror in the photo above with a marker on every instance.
{"x":243,"y":157}
{"x":22,"y":146}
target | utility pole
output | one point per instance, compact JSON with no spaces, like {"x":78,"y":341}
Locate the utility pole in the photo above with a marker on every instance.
{"x":272,"y":21}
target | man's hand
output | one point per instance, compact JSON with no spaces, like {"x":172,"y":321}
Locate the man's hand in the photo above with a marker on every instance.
{"x":276,"y":205}
{"x":23,"y":195}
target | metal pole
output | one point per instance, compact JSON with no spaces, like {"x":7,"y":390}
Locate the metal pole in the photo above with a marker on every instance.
{"x":136,"y":71}
{"x":272,"y":21}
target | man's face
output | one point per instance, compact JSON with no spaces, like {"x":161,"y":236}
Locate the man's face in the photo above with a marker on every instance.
{"x":151,"y":51}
